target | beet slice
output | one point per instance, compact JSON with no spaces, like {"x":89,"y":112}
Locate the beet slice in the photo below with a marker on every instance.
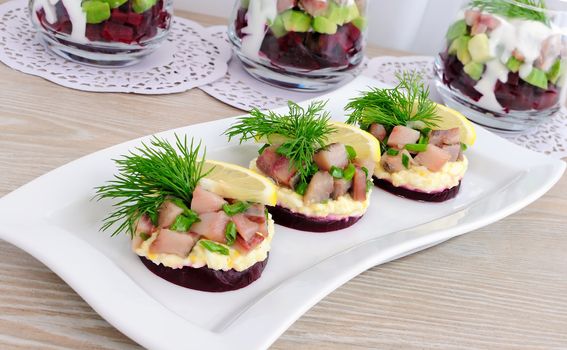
{"x":285,"y":217}
{"x":417,"y":195}
{"x":206,"y":279}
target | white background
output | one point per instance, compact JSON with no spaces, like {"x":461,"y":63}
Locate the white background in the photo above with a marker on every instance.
{"x":411,"y":25}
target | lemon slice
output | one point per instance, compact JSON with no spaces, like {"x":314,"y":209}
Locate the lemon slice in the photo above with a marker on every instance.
{"x":233,"y":181}
{"x":451,"y":118}
{"x":365,"y":145}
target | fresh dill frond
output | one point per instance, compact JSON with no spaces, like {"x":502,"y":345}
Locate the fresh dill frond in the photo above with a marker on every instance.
{"x":407,"y":103}
{"x":301,"y":131}
{"x":148,"y":176}
{"x":531,"y":11}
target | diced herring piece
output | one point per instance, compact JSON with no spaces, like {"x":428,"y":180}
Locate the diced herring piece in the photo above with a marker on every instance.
{"x":283,"y":5}
{"x":244,"y":247}
{"x":333,"y":155}
{"x":245,"y":227}
{"x":206,"y":202}
{"x":320,"y":188}
{"x":359,"y":185}
{"x":314,"y":7}
{"x":401,"y":136}
{"x":378,"y":131}
{"x":168,"y":211}
{"x":393,"y":164}
{"x":340,"y":187}
{"x":434,"y":158}
{"x":454,"y":151}
{"x":283,"y":172}
{"x":212,"y":226}
{"x":445,"y":137}
{"x":256,"y":213}
{"x":172,"y":242}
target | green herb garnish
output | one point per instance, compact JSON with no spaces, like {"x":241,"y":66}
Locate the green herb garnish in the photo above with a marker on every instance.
{"x":365,"y":171}
{"x":405,"y":161}
{"x":524,"y":9}
{"x":392,"y":152}
{"x":235,"y":208}
{"x":147,"y":177}
{"x":351,"y":152}
{"x":349,"y":172}
{"x":300,"y":188}
{"x":183,"y":222}
{"x":337,"y":173}
{"x":214,"y":247}
{"x":303,"y":131}
{"x":416,"y":147}
{"x":464,"y":146}
{"x":230,"y":233}
{"x":408,"y":102}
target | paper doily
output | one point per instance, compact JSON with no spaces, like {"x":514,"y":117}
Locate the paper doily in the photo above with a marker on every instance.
{"x":189,"y":57}
{"x":240,"y":90}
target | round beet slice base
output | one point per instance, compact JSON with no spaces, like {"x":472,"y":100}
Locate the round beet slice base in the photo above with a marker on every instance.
{"x":417,"y":195}
{"x":285,"y":217}
{"x":206,"y":279}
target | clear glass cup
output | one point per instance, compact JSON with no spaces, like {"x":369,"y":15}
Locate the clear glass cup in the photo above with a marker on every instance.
{"x":503,"y":63}
{"x":299,"y":44}
{"x":102,"y":32}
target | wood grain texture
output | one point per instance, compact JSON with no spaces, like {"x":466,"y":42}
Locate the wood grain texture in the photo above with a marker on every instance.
{"x":501,"y":287}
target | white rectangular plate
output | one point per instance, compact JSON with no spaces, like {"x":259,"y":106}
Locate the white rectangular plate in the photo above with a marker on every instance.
{"x":54,"y":219}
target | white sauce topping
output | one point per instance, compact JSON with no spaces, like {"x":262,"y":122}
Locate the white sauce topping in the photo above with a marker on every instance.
{"x":49,"y":9}
{"x":77,"y":16}
{"x":259,"y":13}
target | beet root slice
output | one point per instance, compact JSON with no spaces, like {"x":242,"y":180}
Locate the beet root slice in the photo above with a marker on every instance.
{"x":206,"y":279}
{"x":285,"y":217}
{"x":436,"y":197}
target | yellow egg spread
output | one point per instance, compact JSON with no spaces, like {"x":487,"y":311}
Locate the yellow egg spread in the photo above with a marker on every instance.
{"x":419,"y":178}
{"x":200,"y":256}
{"x":342,"y":207}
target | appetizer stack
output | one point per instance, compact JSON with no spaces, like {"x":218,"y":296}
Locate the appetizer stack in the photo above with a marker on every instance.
{"x":208,"y":225}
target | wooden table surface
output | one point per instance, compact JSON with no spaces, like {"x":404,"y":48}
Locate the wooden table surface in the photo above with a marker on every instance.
{"x":500,"y":287}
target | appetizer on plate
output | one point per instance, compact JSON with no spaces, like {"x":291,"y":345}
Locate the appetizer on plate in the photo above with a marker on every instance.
{"x":322,"y":169}
{"x":423,"y":142}
{"x":199,"y":224}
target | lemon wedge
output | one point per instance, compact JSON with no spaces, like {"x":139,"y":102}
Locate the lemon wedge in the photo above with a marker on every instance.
{"x":365,"y":145}
{"x":451,"y":118}
{"x":233,"y":181}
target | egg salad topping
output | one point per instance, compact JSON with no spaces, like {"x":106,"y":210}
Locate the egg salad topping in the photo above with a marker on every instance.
{"x":200,"y":256}
{"x":341,"y":207}
{"x":419,"y":178}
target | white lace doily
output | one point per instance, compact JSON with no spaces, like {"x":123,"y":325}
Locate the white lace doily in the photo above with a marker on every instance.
{"x":191,"y":56}
{"x":239,"y":89}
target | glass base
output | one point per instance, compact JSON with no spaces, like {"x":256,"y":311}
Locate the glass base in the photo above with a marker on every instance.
{"x":99,"y":55}
{"x":512,"y":122}
{"x":315,"y":81}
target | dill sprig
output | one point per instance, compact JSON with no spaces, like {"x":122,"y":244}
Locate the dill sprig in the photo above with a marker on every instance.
{"x":147,"y":177}
{"x":407,"y":103}
{"x":509,"y":9}
{"x":301,"y":132}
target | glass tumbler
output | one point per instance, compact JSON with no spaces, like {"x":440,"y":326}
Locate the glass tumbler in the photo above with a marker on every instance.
{"x":299,"y":44}
{"x":102,"y":32}
{"x":503,"y":63}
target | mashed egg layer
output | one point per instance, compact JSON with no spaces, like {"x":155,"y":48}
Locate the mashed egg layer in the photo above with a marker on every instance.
{"x":419,"y":178}
{"x":339,"y":208}
{"x":200,"y":256}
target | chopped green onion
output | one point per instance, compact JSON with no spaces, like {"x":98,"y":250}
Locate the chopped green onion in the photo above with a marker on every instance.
{"x":405,"y":161}
{"x":365,"y":171}
{"x":214,"y":247}
{"x":181,"y":204}
{"x":235,"y":208}
{"x":349,"y":172}
{"x":144,"y":236}
{"x":183,"y":222}
{"x":337,"y":173}
{"x":425,"y":131}
{"x":416,"y":147}
{"x":301,"y":188}
{"x":464,"y":146}
{"x":230,"y":233}
{"x":263,"y":148}
{"x":392,"y":152}
{"x":351,"y":152}
{"x":423,"y":140}
{"x":369,"y":185}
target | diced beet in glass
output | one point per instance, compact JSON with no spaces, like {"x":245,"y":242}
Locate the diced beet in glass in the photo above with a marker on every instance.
{"x":241,"y":22}
{"x":134,"y":19}
{"x":93,"y":32}
{"x":61,"y":12}
{"x":117,"y":32}
{"x":163,"y":19}
{"x":119,"y":17}
{"x":455,"y":76}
